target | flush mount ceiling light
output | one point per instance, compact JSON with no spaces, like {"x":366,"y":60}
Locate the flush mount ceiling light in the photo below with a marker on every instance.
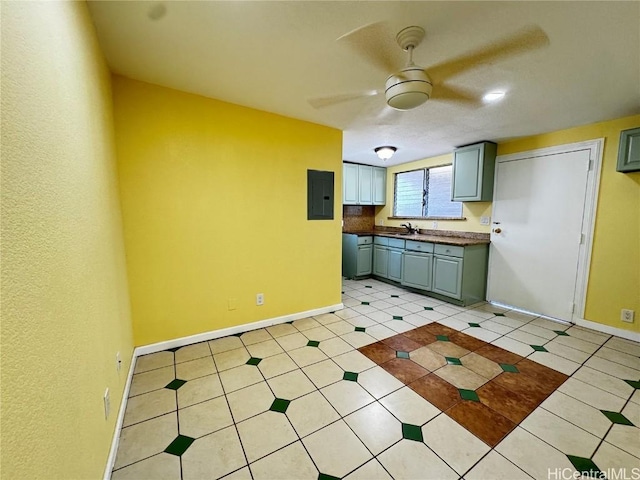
{"x":385,"y":153}
{"x":493,"y":96}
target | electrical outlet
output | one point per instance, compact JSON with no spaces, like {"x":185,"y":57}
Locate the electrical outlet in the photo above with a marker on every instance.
{"x":381,"y":223}
{"x":485,"y":220}
{"x":627,"y":315}
{"x":118,"y":362}
{"x":434,"y":225}
{"x":107,"y":404}
{"x":260,"y":299}
{"x":232,"y":304}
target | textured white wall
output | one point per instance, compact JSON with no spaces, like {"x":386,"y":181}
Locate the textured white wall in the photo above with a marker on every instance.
{"x":65,"y":302}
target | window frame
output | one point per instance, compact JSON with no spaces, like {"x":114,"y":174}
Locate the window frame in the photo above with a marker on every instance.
{"x":425,"y":194}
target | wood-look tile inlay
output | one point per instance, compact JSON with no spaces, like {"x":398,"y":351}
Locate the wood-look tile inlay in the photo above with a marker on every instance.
{"x":486,"y":424}
{"x":484,"y":388}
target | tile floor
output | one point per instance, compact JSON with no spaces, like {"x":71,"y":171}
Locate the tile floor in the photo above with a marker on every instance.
{"x":395,"y":385}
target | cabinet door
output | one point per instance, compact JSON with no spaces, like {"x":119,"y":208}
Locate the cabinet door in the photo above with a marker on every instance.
{"x":473,"y":172}
{"x":364,"y":260}
{"x":416,"y":270}
{"x":349,"y":184}
{"x":380,"y":259}
{"x":394,"y":269}
{"x":447,"y":276}
{"x":365,"y":184}
{"x":379,"y":186}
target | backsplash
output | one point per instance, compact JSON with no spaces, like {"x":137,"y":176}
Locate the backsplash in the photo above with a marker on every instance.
{"x":358,"y":218}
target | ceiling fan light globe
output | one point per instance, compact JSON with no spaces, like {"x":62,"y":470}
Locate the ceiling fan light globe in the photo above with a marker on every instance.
{"x":408,"y":89}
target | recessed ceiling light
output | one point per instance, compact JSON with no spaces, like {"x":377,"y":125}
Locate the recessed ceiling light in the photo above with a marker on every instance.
{"x":493,"y":96}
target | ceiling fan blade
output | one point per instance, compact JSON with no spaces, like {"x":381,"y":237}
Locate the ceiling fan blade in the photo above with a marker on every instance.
{"x":451,"y":94}
{"x":375,"y":43}
{"x":527,"y":39}
{"x":322,"y":102}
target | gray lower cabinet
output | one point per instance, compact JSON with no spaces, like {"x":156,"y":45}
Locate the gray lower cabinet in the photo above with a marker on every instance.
{"x":394,"y":265}
{"x":461,"y":272}
{"x":416,"y":270}
{"x":447,"y":276}
{"x":380,"y":260}
{"x":357,"y":255}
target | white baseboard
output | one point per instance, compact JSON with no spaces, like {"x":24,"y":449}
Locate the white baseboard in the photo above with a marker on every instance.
{"x":618,"y":332}
{"x":111,"y":460}
{"x":225,"y":332}
{"x":180,"y":342}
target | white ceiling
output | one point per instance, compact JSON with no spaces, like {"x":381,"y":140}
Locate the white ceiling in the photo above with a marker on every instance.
{"x":275,"y":56}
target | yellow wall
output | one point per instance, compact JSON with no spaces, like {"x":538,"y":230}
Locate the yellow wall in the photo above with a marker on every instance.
{"x":214,"y":207}
{"x":472,"y":211}
{"x":614,"y":278}
{"x":65,"y":304}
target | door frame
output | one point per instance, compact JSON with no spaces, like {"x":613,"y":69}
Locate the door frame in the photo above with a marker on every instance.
{"x":595,"y":148}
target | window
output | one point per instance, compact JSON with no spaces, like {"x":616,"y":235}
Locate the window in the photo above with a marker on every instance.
{"x":425,"y":193}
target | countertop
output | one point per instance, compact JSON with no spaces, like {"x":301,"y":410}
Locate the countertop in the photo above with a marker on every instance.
{"x":461,"y":241}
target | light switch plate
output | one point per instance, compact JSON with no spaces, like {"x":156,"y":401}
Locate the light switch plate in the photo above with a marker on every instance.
{"x":485,"y":220}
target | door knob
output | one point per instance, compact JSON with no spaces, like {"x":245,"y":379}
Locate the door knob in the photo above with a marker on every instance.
{"x":497,"y":230}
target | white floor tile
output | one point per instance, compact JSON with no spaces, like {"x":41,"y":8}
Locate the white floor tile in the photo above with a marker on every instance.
{"x":454,"y":443}
{"x":336,"y":450}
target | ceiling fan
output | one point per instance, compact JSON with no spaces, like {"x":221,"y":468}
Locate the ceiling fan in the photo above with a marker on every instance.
{"x":413,"y":85}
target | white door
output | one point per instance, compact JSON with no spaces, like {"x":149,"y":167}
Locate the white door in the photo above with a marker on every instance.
{"x":538,"y":209}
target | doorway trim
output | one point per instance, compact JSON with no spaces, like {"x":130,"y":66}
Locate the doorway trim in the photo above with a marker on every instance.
{"x":595,"y":148}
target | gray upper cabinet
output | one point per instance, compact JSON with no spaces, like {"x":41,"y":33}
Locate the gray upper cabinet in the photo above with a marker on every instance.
{"x":349,"y":184}
{"x":363,"y":185}
{"x":473,"y":172}
{"x":379,"y":186}
{"x":629,"y":151}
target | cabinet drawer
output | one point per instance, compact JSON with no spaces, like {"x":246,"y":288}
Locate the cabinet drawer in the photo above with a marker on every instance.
{"x":451,"y":250}
{"x":396,"y":243}
{"x":419,"y":246}
{"x":381,"y":240}
{"x":365,"y":240}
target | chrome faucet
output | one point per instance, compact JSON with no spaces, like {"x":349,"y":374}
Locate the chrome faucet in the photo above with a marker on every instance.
{"x":409,"y":228}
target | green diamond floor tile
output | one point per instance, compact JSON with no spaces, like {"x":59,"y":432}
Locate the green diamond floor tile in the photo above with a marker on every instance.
{"x":397,"y":317}
{"x":585,"y":466}
{"x":453,"y":361}
{"x":254,"y":361}
{"x":175,"y":384}
{"x":442,"y":338}
{"x":539,"y":348}
{"x":313,"y":343}
{"x":280,"y":405}
{"x":364,"y":303}
{"x":509,"y":368}
{"x":179,"y":445}
{"x":616,"y":417}
{"x":351,"y":376}
{"x":428,"y":308}
{"x":561,"y":333}
{"x":402,"y":354}
{"x":412,"y":432}
{"x":360,"y":329}
{"x":472,"y":324}
{"x":324,"y":476}
{"x":468,"y":395}
{"x":634,"y":383}
{"x":499,"y":314}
